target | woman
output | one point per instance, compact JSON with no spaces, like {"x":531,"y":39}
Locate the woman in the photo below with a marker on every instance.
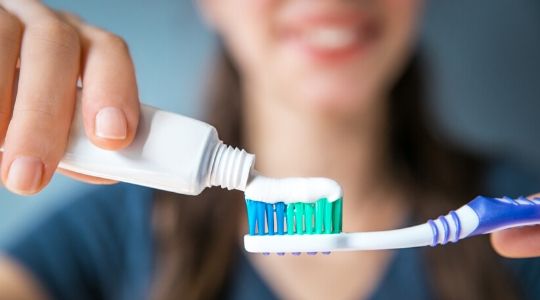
{"x":325,"y":88}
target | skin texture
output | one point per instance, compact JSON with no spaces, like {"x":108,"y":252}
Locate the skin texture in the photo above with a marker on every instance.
{"x":328,"y":111}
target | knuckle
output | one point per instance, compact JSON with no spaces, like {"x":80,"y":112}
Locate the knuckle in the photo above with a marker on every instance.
{"x":69,"y":15}
{"x":46,"y":115}
{"x":56,"y":32}
{"x":39,"y":108}
{"x":112,"y":40}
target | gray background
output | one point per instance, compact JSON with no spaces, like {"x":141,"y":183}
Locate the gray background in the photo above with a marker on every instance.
{"x":484,"y":77}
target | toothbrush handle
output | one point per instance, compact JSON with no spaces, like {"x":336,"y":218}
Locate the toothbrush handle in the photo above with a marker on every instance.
{"x":500,"y":213}
{"x":484,"y":215}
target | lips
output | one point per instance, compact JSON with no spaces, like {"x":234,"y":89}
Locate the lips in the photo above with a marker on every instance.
{"x":329,"y":37}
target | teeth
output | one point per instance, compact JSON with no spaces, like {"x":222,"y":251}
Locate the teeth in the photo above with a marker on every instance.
{"x":330,"y":37}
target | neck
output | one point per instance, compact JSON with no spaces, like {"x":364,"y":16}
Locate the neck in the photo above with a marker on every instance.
{"x":351,"y":150}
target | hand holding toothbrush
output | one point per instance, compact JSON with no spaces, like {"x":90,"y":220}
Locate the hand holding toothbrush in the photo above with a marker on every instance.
{"x":42,"y":54}
{"x":518,"y":242}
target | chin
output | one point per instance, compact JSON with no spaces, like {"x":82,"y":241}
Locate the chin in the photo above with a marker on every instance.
{"x":339,"y":99}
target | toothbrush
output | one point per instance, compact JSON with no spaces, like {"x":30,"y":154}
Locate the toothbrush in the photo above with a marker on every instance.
{"x":311,"y":232}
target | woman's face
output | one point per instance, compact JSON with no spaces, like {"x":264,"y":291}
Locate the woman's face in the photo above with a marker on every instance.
{"x":333,"y":55}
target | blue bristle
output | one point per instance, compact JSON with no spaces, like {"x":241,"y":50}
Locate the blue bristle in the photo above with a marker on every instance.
{"x":261,"y":212}
{"x":270,"y":218}
{"x":280,"y":217}
{"x":251,"y":214}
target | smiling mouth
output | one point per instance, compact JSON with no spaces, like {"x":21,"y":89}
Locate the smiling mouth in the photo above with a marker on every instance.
{"x":330,"y":38}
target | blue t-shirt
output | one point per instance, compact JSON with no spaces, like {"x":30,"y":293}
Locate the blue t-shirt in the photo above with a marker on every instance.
{"x":101,"y":247}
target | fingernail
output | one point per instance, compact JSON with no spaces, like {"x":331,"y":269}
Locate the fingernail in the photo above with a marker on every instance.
{"x":111,"y":124}
{"x":25,"y":175}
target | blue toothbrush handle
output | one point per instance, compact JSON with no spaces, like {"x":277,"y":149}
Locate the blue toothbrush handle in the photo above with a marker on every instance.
{"x":484,"y":215}
{"x":499,"y":213}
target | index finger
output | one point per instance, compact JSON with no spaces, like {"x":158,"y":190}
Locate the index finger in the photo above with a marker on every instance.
{"x":110,"y":101}
{"x":38,"y":130}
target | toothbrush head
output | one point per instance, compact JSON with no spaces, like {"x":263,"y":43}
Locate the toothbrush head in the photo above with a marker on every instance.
{"x":272,"y":221}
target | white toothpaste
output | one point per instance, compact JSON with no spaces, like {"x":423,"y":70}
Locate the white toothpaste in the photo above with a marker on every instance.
{"x":292,"y":189}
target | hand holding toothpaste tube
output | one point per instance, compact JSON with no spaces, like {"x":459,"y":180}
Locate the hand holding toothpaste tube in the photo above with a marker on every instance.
{"x":43,"y":54}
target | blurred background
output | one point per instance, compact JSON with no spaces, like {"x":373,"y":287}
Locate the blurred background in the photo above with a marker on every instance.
{"x":484,"y":81}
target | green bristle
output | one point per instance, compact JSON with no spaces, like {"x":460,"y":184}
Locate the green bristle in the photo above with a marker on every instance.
{"x":338,"y":210}
{"x":290,"y":218}
{"x":299,"y":214}
{"x":320,"y":206}
{"x":309,"y":217}
{"x":328,"y":217}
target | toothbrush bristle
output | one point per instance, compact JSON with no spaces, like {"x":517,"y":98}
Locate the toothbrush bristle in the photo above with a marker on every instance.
{"x":321,"y":217}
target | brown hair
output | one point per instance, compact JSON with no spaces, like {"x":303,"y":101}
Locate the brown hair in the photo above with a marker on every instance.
{"x":197,"y":237}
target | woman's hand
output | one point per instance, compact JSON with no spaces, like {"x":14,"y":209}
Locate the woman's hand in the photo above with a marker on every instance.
{"x":37,"y":101}
{"x":518,"y":242}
